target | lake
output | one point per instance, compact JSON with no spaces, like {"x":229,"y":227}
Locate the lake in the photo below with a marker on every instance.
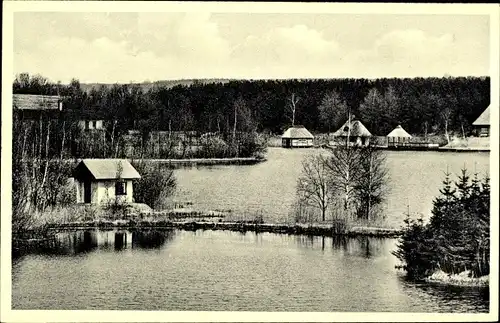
{"x":226,"y":271}
{"x":268,"y":188}
{"x":231,"y":271}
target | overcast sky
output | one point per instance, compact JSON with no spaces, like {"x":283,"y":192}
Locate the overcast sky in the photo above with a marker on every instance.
{"x":124,"y":47}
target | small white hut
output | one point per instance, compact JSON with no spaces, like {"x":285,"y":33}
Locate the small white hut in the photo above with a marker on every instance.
{"x":297,"y":136}
{"x":398,"y":137}
{"x":101,"y":180}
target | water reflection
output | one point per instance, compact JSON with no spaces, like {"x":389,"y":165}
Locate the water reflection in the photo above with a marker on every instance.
{"x":363,"y":246}
{"x":151,"y":238}
{"x":80,"y":242}
{"x":223,"y":270}
{"x":73,"y":243}
{"x":339,"y":243}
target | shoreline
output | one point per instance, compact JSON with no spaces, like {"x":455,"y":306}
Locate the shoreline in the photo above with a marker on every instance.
{"x":291,"y":229}
{"x":46,"y":240}
{"x":208,"y":161}
{"x":189,"y":161}
{"x":461,"y":280}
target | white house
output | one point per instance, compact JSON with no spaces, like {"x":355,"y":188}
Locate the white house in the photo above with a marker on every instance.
{"x":104,"y":180}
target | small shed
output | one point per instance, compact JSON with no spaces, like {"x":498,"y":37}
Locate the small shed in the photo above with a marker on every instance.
{"x":297,"y":136}
{"x":398,"y":136}
{"x":102,"y":180}
{"x":356,"y":131}
{"x":482,"y":123}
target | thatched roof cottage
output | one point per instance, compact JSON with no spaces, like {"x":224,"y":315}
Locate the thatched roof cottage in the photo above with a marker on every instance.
{"x":356,"y":131}
{"x":398,"y":136}
{"x":297,"y":136}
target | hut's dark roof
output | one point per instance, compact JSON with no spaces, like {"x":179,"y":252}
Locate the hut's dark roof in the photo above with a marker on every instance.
{"x":483,"y":119}
{"x":357,"y":130}
{"x":297,"y":132}
{"x":36,"y":102}
{"x":399,"y":132}
{"x":101,"y":169}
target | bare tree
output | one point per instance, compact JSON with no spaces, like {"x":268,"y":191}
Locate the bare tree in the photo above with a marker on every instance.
{"x":293,"y":106}
{"x":352,"y":180}
{"x":425,"y":126}
{"x":243,"y":118}
{"x":463,"y":122}
{"x":238,"y":105}
{"x":445,"y":118}
{"x":343,"y":166}
{"x":372,"y":182}
{"x":313,"y":185}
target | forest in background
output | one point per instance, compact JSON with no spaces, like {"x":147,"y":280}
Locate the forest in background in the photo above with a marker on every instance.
{"x":421,"y":105}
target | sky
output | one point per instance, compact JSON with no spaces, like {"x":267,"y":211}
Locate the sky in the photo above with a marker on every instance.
{"x":135,"y":47}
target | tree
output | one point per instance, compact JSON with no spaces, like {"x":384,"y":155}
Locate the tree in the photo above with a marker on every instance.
{"x":313,"y":185}
{"x":343,"y":165}
{"x":380,"y":111}
{"x":333,"y":110}
{"x":372,"y":182}
{"x":457,"y":237}
{"x":445,"y":115}
{"x":293,"y":106}
{"x":371,"y":107}
{"x":155,"y":186}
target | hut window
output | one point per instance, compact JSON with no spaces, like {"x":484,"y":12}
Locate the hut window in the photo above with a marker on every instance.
{"x":120,"y":188}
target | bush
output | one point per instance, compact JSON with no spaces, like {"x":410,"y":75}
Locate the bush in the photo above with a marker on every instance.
{"x":214,"y":147}
{"x":156,"y":185}
{"x":252,"y":145}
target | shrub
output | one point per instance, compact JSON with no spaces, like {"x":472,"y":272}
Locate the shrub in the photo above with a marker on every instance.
{"x":252,"y":145}
{"x":156,"y":185}
{"x":213,"y":147}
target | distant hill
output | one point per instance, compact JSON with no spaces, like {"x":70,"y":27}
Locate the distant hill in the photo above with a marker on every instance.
{"x":165,"y":83}
{"x":188,"y":82}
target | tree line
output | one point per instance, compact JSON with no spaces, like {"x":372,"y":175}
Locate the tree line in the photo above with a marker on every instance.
{"x":164,"y":125}
{"x":421,"y":105}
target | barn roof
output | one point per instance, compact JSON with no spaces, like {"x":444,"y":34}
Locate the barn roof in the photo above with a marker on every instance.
{"x":298,"y":132}
{"x":357,"y":130}
{"x":484,"y":118}
{"x":101,"y":169}
{"x":399,"y":132}
{"x":36,"y":102}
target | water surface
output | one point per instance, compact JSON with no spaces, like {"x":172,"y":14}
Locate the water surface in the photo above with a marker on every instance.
{"x":268,"y":188}
{"x":226,"y":271}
